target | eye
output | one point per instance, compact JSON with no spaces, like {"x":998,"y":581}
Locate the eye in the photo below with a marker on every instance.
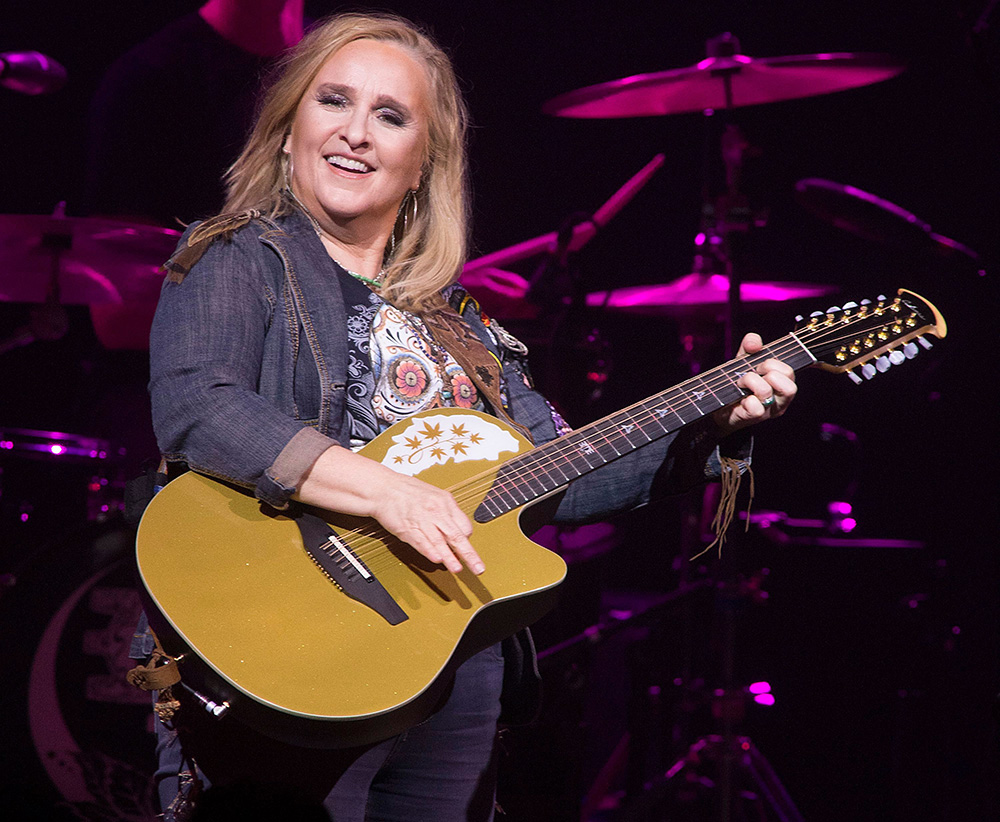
{"x":332,"y":99}
{"x":392,"y":117}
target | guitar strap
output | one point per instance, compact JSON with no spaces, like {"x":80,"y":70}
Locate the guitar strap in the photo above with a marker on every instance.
{"x":478,"y":362}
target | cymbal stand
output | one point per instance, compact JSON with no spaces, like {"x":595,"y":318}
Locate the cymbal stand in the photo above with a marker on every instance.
{"x":722,"y":217}
{"x":47,"y":321}
{"x":744,"y":779}
{"x":556,"y":288}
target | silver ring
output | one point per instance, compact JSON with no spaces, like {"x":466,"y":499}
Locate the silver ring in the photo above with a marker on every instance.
{"x":768,"y":402}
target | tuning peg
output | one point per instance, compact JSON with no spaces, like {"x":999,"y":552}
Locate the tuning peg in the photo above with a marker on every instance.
{"x":799,"y":318}
{"x":833,"y":309}
{"x":854,"y":377}
{"x":817,"y":314}
{"x":849,"y":306}
{"x":868,"y":371}
{"x":896,"y":357}
{"x":924,"y":342}
{"x":910,"y":350}
{"x":882,"y":364}
{"x":866,"y":302}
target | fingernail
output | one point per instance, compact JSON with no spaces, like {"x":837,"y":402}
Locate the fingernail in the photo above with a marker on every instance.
{"x":478,"y":568}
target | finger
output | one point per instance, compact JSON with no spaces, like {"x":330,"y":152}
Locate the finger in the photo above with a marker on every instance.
{"x":463,"y":549}
{"x":755,"y":385}
{"x":773,"y":366}
{"x":751,"y":344}
{"x":783,"y":388}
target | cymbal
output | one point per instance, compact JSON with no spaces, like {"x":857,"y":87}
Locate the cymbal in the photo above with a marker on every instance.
{"x":502,"y":294}
{"x":872,"y":218}
{"x":94,"y":261}
{"x":723,"y":81}
{"x":699,"y":290}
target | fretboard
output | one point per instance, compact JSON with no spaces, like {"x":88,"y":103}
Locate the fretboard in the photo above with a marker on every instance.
{"x":554,"y":465}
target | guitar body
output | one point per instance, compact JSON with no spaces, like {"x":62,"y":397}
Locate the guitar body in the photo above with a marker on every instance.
{"x":293,"y":655}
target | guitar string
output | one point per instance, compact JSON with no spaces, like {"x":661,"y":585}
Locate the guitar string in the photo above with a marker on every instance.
{"x":473,"y":488}
{"x":368,"y":543}
{"x":462,"y":491}
{"x":370,"y":539}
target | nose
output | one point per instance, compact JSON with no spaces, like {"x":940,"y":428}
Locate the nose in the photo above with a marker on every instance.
{"x":355,"y":130}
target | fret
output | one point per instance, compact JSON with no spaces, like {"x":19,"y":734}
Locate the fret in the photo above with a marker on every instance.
{"x":501,"y":491}
{"x":660,"y":418}
{"x":583,"y":449}
{"x":605,"y":447}
{"x":543,"y":471}
{"x":561,"y":461}
{"x":556,"y":470}
{"x":625,"y":426}
{"x":533,"y":474}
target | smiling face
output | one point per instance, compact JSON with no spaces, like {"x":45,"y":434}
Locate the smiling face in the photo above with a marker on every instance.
{"x":359,"y":139}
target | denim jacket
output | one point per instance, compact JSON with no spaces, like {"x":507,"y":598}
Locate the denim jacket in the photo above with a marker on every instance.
{"x":249,"y":371}
{"x":248,"y":378}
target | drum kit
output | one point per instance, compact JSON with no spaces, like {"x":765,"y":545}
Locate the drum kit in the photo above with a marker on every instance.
{"x":48,"y":262}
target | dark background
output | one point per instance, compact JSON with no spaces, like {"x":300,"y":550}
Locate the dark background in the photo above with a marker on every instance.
{"x":883,"y":659}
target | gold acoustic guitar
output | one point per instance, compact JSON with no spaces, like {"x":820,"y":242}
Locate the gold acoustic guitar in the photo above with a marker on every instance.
{"x":324,"y":630}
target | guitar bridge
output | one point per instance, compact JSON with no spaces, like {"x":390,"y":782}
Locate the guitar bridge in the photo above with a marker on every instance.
{"x":346,"y":569}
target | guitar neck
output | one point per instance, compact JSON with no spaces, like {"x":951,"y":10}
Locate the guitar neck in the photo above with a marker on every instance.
{"x":557,"y":463}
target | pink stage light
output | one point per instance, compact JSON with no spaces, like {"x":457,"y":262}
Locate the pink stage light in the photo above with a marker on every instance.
{"x":760,"y":687}
{"x":764,"y":699}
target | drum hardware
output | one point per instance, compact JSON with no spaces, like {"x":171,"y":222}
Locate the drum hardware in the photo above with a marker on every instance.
{"x":49,"y":479}
{"x":836,"y":530}
{"x":30,"y":72}
{"x":554,"y":292}
{"x":700,"y":290}
{"x":724,"y":81}
{"x":875,"y":219}
{"x":583,"y":231}
{"x":723,"y":771}
{"x":111,"y":266}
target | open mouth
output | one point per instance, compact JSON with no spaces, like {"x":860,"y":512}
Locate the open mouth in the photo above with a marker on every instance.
{"x":349,"y":164}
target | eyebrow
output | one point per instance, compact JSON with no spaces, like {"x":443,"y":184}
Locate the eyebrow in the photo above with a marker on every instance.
{"x":348,"y":91}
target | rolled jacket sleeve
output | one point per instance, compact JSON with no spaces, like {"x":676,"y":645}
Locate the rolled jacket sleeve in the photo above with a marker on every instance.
{"x":208,"y":348}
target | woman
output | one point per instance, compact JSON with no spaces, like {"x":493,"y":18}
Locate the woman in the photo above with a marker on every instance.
{"x":318,"y":311}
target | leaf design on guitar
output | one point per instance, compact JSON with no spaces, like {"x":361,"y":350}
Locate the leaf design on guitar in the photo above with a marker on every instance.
{"x":436,"y":440}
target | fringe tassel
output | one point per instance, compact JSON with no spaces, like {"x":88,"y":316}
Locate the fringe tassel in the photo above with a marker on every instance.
{"x":731,"y":480}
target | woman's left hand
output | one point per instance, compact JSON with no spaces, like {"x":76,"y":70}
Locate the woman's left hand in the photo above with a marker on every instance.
{"x":771,"y":390}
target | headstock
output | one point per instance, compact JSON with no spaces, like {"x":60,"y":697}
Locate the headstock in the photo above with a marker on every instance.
{"x":871,"y":335}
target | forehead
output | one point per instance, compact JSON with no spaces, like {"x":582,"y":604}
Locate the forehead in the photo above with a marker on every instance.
{"x":378,"y":67}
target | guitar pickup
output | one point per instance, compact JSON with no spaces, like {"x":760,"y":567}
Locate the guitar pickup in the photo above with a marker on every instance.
{"x":346,"y":569}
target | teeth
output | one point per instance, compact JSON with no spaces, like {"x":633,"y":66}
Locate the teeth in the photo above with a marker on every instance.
{"x":348,"y":164}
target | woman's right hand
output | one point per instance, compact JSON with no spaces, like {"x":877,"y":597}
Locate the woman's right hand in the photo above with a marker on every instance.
{"x":421,"y":515}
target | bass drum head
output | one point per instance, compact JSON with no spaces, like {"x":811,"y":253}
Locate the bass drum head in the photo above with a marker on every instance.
{"x":76,"y":739}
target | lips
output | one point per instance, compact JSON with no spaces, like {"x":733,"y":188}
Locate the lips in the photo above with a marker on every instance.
{"x":349,"y":164}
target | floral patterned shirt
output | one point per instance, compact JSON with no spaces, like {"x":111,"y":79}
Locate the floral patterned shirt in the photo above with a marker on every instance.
{"x":396,"y":368}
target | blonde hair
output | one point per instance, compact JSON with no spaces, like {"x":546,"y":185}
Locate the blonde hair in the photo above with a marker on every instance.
{"x":430,"y":253}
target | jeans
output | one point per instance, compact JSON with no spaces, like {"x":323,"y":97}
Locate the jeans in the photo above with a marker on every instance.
{"x":442,"y":770}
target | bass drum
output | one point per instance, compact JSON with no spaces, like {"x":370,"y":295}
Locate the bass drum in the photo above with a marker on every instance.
{"x":76,"y":739}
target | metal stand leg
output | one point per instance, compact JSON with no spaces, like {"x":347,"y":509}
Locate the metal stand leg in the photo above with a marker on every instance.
{"x":688,"y":786}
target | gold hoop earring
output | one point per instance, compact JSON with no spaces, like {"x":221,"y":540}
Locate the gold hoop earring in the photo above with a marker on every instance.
{"x":406,"y":216}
